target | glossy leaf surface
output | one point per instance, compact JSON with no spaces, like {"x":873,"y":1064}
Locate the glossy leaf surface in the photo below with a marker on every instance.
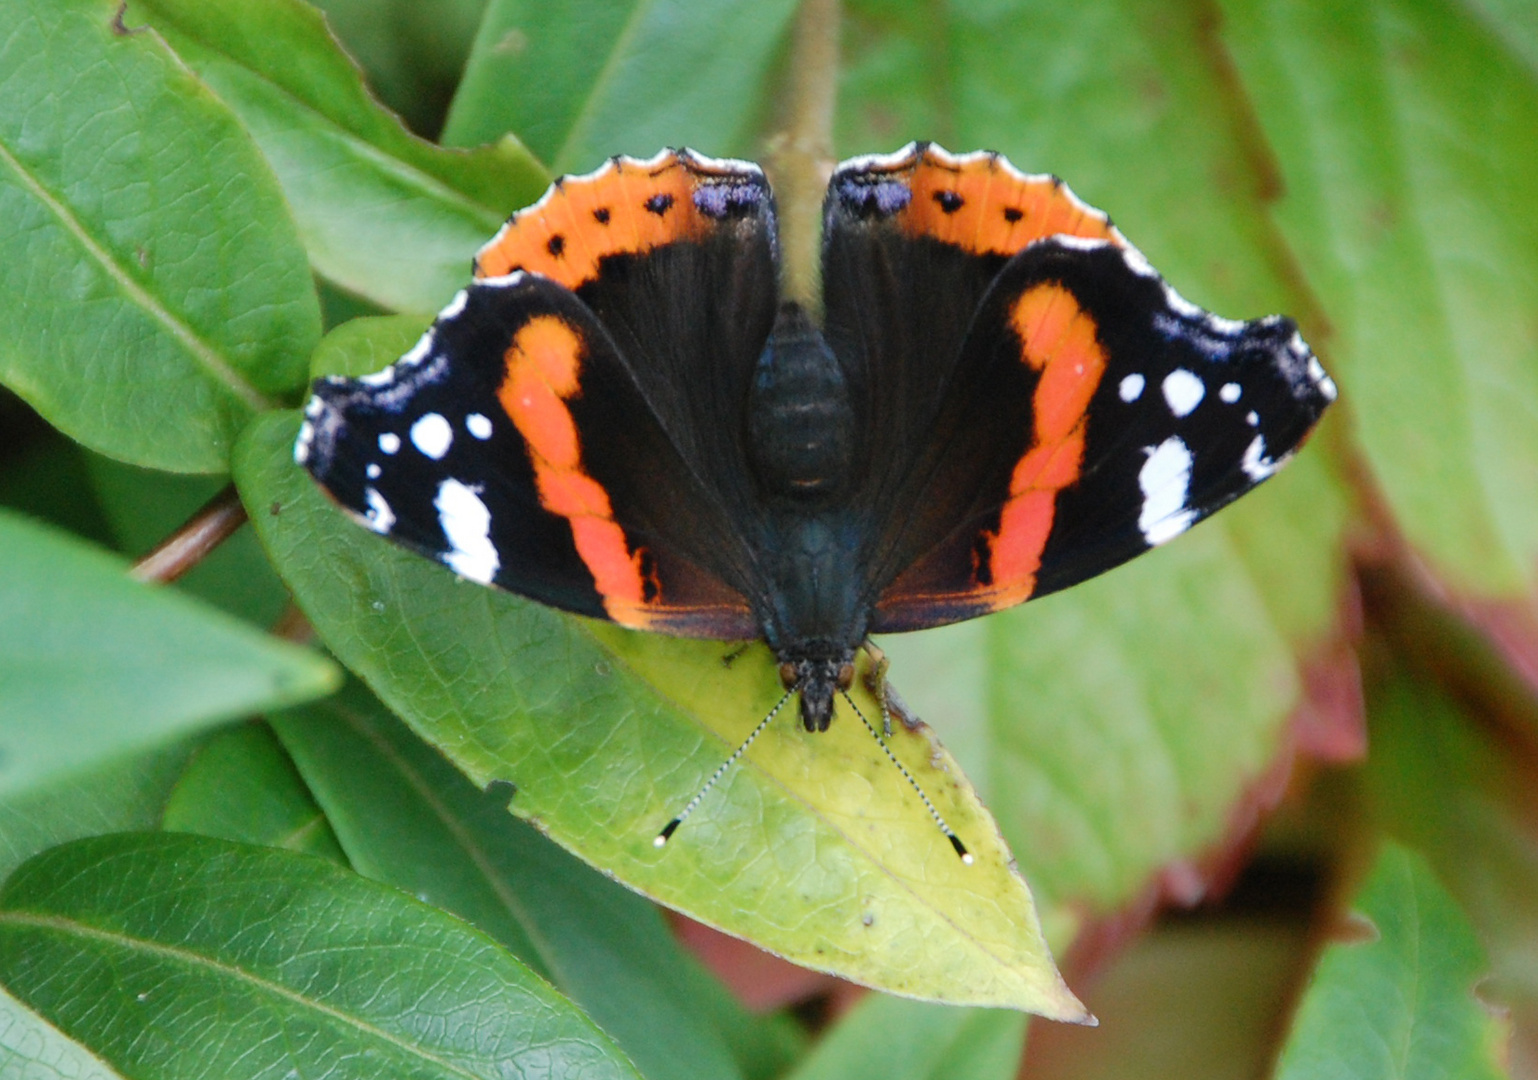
{"x":96,"y":665}
{"x":152,"y":284}
{"x":241,"y":785}
{"x":1403,"y":132}
{"x":1401,"y":1004}
{"x":382,"y":213}
{"x":408,"y":818}
{"x":176,"y":956}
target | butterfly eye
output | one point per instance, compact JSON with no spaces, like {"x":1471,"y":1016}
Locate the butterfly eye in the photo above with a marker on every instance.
{"x":846,"y":676}
{"x":788,"y":676}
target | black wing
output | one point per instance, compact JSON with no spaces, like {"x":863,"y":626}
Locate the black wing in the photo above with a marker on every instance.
{"x":552,"y":434}
{"x":993,"y":328}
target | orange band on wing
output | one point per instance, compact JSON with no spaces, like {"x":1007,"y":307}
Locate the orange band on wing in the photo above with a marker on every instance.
{"x":982,"y":204}
{"x":1058,"y":340}
{"x":543,"y":372}
{"x":627,"y":207}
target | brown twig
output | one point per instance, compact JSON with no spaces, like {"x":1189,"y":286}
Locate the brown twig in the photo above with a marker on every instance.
{"x":215,"y":523}
{"x":801,"y":156}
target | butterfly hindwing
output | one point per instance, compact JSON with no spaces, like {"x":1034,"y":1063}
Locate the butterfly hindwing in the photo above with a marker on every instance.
{"x":1097,"y":415}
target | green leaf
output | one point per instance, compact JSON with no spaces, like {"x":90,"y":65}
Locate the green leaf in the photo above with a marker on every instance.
{"x":1402,"y":1005}
{"x":412,"y":53}
{"x":408,"y":818}
{"x":1167,"y":675}
{"x":154,"y":292}
{"x":365,"y":345}
{"x":242,"y":785}
{"x":1444,"y":780}
{"x":126,"y":793}
{"x":96,"y":665}
{"x":143,"y":507}
{"x":32,"y":1049}
{"x":176,"y":955}
{"x":382,"y":213}
{"x":43,"y":474}
{"x":887,"y":1038}
{"x":1112,"y":728}
{"x":578,"y":82}
{"x":1403,"y":132}
{"x":814,"y":847}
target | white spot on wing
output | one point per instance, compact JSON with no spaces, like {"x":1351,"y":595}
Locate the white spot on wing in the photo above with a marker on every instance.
{"x":389,"y":442}
{"x":432,"y":435}
{"x":1183,"y":391}
{"x":1079,"y":243}
{"x":1165,"y":479}
{"x":1181,"y":306}
{"x":380,"y":517}
{"x":1230,"y":392}
{"x":1252,"y":418}
{"x":417,"y":353}
{"x":478,"y":425}
{"x":866,"y":162}
{"x":506,"y":281}
{"x":372,"y":471}
{"x":1131,"y":387}
{"x":1255,"y":463}
{"x":1138,"y":263}
{"x":1226,"y":327}
{"x":713,"y":164}
{"x":466,"y":524}
{"x":302,"y":445}
{"x":455,"y":305}
{"x":1323,"y":381}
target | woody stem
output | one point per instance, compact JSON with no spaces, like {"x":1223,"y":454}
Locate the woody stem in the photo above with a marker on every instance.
{"x":215,"y":523}
{"x":801,"y":156}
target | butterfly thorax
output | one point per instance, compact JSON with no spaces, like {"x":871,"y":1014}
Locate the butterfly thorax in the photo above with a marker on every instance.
{"x":800,"y":446}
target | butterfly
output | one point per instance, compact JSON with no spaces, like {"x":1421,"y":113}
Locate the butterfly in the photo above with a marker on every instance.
{"x":622,"y":416}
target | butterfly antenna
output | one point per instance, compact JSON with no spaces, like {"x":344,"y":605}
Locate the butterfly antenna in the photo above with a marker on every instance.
{"x":671,"y":827}
{"x":950,"y":834}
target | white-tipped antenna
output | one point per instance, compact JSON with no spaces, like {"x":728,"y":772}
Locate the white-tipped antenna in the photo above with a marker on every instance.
{"x":950,"y":834}
{"x":671,"y":827}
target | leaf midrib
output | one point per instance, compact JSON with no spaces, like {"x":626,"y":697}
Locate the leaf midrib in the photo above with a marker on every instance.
{"x":188,"y":958}
{"x":852,"y":842}
{"x":429,"y":185}
{"x":205,"y":354}
{"x":794,"y":796}
{"x":473,"y":850}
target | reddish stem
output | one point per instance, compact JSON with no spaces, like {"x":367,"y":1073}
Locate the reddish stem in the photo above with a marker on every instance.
{"x":211,"y":526}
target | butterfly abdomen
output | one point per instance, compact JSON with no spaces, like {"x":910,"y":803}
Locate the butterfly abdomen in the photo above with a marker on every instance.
{"x":799,"y":419}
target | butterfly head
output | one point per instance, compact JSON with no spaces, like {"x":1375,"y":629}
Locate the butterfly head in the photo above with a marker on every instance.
{"x":816,"y":678}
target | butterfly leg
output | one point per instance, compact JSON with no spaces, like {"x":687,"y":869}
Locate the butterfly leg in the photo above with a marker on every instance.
{"x":886,"y":694}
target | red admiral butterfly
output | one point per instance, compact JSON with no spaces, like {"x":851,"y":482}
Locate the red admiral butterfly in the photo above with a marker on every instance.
{"x":621,"y":418}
